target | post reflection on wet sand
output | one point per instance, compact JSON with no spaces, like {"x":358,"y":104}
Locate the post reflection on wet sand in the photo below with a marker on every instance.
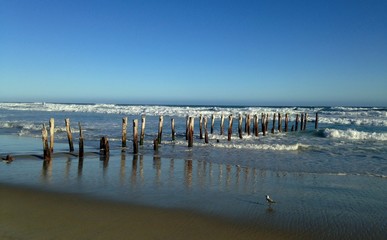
{"x":80,"y":168}
{"x":188,"y":173}
{"x":46,"y":174}
{"x":214,"y":186}
{"x":122,"y":167}
{"x":158,"y":172}
{"x":157,"y":167}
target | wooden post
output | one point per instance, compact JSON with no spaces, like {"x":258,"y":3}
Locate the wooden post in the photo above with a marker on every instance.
{"x":279,"y":122}
{"x":190,"y":132}
{"x":52,"y":130}
{"x":142,"y":136}
{"x":222,"y":124}
{"x":305,"y":120}
{"x":135,"y":136}
{"x":240,"y":126}
{"x":229,"y":127}
{"x":69,"y":135}
{"x":173,"y":129}
{"x":46,"y":149}
{"x":316,"y":122}
{"x":160,"y":133}
{"x":187,"y":121}
{"x":104,"y":146}
{"x":201,"y":126}
{"x":274,"y":117}
{"x":263,"y":123}
{"x":297,"y":120}
{"x":286,"y":122}
{"x":101,"y":145}
{"x":267,"y":122}
{"x":205,"y":130}
{"x":256,"y":125}
{"x":212,"y":123}
{"x":81,"y":151}
{"x":302,"y":122}
{"x":124,"y":126}
{"x":247,"y":125}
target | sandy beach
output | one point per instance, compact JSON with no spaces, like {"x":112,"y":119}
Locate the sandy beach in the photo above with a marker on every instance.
{"x":32,"y":214}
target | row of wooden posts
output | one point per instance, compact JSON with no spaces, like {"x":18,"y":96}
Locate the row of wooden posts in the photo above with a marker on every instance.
{"x":104,"y":143}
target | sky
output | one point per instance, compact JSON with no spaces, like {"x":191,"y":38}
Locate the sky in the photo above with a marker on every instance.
{"x":208,"y":52}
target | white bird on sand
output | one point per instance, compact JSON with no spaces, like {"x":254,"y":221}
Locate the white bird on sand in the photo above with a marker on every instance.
{"x":269,"y":200}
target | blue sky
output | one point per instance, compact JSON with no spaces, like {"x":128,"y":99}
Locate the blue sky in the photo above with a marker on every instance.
{"x":195,"y":52}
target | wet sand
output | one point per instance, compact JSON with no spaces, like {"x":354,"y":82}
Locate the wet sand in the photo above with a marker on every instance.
{"x":32,"y":214}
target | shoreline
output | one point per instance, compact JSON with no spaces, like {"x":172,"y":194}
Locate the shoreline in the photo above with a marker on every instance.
{"x":27,"y":213}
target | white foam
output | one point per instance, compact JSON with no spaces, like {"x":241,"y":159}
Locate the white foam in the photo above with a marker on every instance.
{"x":354,"y":121}
{"x":273,"y":147}
{"x":334,"y":115}
{"x":152,"y":110}
{"x":354,"y":134}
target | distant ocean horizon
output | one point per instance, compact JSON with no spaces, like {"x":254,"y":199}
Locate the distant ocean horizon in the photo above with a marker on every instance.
{"x":204,"y":103}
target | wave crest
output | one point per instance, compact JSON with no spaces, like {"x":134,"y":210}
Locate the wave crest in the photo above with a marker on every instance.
{"x":352,"y":134}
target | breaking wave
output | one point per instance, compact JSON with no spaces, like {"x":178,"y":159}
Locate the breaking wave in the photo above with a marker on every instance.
{"x":352,"y":134}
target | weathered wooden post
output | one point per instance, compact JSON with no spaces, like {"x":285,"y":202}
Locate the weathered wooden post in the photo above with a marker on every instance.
{"x":263,"y":123}
{"x":247,"y":125}
{"x":256,"y":125}
{"x":191,"y":132}
{"x":8,"y":158}
{"x":104,"y":146}
{"x":279,"y":122}
{"x":135,"y":136}
{"x":316,"y":122}
{"x":212,"y":123}
{"x":52,"y":130}
{"x":222,"y":124}
{"x":46,"y":149}
{"x":240,"y":126}
{"x":124,"y":126}
{"x":297,"y":120}
{"x":69,"y":135}
{"x":101,"y":145}
{"x":302,"y":122}
{"x":305,"y":120}
{"x":205,"y":130}
{"x":274,"y":117}
{"x":173,"y":129}
{"x":187,"y":121}
{"x":160,"y":133}
{"x":267,"y":122}
{"x":201,"y":126}
{"x":80,"y":151}
{"x":229,"y":127}
{"x":142,"y":136}
{"x":286,"y":122}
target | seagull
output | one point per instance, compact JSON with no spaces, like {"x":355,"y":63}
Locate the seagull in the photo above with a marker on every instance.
{"x":269,"y":200}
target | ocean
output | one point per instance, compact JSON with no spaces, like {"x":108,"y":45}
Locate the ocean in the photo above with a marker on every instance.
{"x":329,"y":182}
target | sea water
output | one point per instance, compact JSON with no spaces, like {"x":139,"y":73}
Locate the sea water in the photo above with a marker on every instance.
{"x":328,"y":182}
